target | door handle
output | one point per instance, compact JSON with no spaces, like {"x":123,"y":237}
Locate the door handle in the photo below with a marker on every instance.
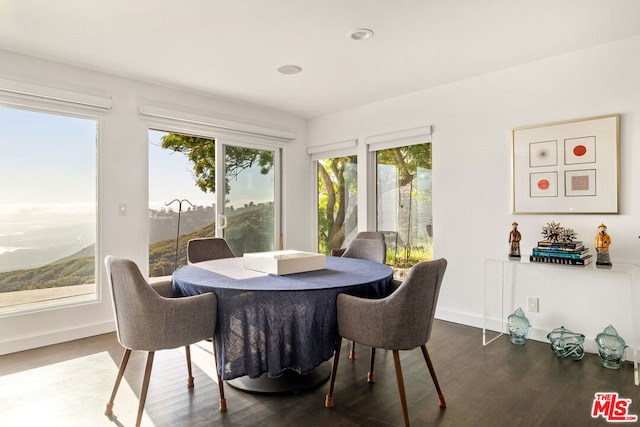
{"x":222,"y":221}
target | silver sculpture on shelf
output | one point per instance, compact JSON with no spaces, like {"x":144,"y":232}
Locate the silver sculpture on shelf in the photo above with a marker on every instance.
{"x":611,"y":348}
{"x":565,"y":343}
{"x":519,"y":327}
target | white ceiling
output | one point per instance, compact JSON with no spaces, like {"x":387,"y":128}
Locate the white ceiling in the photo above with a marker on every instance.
{"x":232,"y":48}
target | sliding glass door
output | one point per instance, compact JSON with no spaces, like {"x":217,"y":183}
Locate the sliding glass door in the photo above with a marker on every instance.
{"x":209,"y":187}
{"x":249,"y":220}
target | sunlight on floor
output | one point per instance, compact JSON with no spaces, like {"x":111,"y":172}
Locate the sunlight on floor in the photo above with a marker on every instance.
{"x":202,"y":357}
{"x":73,"y":392}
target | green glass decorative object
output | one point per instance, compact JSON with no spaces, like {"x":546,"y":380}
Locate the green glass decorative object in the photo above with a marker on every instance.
{"x":611,"y":347}
{"x":565,"y":343}
{"x":518,"y":327}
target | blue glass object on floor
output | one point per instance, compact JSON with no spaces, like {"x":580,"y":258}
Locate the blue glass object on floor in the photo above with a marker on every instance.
{"x":565,"y":343}
{"x":611,"y":348}
{"x":518,"y":327}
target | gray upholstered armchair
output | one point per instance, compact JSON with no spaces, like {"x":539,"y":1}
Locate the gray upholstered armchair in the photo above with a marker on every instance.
{"x":208,"y":248}
{"x":400,"y":321}
{"x":374,"y":235}
{"x":148,"y":319}
{"x":371,"y":247}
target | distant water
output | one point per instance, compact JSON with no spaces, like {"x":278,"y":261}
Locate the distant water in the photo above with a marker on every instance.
{"x":5,"y":249}
{"x":41,"y":246}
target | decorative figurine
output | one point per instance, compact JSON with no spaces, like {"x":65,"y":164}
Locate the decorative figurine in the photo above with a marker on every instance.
{"x":514,"y":240}
{"x":611,"y":347}
{"x":602,"y":246}
{"x":518,"y":327}
{"x":565,"y":343}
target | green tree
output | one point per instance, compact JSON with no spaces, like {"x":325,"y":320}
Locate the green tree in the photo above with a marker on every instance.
{"x":334,"y":194}
{"x":201,"y":152}
{"x":407,"y":159}
{"x":332,"y":181}
{"x":333,"y":176}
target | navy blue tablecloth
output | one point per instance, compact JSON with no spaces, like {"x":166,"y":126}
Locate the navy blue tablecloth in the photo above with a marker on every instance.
{"x":269,"y":323}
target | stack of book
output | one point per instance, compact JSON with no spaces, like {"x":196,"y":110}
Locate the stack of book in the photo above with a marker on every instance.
{"x":572,"y":253}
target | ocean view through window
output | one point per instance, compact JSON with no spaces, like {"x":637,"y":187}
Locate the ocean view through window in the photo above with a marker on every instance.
{"x":47,"y":209}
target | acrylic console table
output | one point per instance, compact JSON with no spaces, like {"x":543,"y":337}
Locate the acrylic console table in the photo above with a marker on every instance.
{"x":583,"y":299}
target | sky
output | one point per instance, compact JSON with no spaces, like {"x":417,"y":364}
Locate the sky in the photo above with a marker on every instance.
{"x":178,"y":184}
{"x":164,"y":187}
{"x":47,"y":169}
{"x":48,"y":173}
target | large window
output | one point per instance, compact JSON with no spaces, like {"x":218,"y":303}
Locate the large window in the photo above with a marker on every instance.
{"x":403,"y":205}
{"x":337,"y":202}
{"x":47,"y":209}
{"x":189,"y":199}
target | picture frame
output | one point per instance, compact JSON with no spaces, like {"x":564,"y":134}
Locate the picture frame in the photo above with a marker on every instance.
{"x":567,"y":167}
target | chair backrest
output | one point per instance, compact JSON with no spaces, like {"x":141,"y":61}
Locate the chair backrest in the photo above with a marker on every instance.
{"x":409,"y":311}
{"x":379,"y":235}
{"x":139,"y":312}
{"x":206,"y":249}
{"x":369,"y":249}
{"x":361,"y":235}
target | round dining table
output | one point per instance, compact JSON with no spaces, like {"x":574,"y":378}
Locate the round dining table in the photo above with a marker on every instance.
{"x":271,"y":326}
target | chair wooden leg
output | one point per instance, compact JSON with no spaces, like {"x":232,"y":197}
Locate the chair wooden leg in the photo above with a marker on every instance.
{"x":123,"y":366}
{"x":328,"y":402}
{"x":352,"y":352}
{"x":145,"y":387}
{"x":403,"y":397}
{"x":425,"y":353}
{"x":222,"y":407}
{"x":190,"y":382}
{"x":370,"y":377}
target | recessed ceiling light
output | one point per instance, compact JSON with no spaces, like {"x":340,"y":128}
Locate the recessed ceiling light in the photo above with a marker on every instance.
{"x":360,"y":34}
{"x":289,"y":69}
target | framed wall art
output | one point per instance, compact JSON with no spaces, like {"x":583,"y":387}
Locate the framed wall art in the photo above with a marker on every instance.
{"x":567,"y":167}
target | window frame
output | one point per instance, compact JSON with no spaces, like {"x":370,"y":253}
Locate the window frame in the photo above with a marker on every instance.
{"x":375,"y":143}
{"x":223,"y":142}
{"x":332,"y":150}
{"x":74,"y":107}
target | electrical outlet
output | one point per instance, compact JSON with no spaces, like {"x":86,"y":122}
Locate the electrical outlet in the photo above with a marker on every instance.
{"x":533,"y":305}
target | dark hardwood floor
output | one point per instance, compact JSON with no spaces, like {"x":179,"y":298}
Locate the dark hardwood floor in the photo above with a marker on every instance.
{"x":497,"y":385}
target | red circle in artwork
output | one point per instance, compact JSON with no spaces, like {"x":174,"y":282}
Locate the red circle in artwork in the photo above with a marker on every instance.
{"x":579,"y":150}
{"x":543,"y":184}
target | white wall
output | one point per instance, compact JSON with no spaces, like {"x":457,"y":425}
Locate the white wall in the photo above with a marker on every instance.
{"x":123,"y":167}
{"x":471,"y":122}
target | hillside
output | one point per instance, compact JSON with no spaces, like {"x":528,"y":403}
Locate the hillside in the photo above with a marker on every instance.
{"x":73,"y":271}
{"x":249,"y":231}
{"x":162,"y":254}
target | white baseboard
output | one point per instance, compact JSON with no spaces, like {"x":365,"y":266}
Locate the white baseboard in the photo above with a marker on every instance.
{"x":457,"y":317}
{"x":494,"y":325}
{"x":35,"y":341}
